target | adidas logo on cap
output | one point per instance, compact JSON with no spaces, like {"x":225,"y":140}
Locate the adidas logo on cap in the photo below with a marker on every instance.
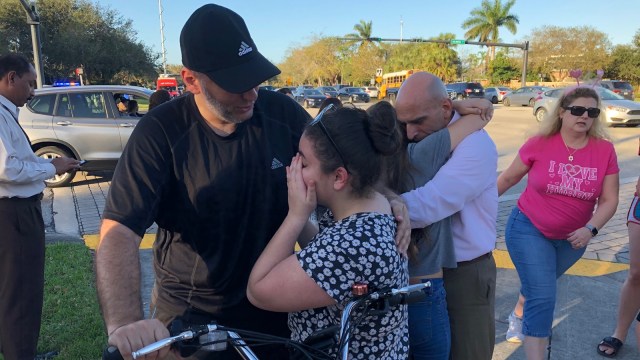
{"x":244,"y":49}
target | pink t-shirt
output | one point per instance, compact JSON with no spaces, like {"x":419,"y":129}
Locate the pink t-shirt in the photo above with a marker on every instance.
{"x":561,"y":195}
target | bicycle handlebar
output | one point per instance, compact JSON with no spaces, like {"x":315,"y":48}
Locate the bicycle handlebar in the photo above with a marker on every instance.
{"x":389,"y":297}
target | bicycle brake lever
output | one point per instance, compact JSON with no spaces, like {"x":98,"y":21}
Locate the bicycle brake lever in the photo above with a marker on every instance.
{"x":187,"y":335}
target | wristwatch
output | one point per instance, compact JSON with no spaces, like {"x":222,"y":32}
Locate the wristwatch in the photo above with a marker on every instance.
{"x":593,"y":229}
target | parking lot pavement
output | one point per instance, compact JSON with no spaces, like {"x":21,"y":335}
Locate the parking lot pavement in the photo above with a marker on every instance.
{"x":587,"y":296}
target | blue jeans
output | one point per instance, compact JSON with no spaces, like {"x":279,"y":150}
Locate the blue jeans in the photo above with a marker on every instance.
{"x":429,"y":331}
{"x":539,"y":262}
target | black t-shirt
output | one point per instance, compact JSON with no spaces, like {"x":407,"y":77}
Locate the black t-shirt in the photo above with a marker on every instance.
{"x":217,"y":201}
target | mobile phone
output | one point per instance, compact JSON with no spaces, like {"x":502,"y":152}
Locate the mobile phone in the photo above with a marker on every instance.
{"x":82,"y":162}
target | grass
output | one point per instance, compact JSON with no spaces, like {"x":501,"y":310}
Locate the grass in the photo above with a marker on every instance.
{"x":71,"y":322}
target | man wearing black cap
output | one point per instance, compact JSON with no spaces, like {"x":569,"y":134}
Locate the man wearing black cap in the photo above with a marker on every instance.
{"x":209,"y":169}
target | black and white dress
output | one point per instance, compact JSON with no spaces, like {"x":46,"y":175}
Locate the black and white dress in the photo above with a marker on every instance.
{"x":360,"y":248}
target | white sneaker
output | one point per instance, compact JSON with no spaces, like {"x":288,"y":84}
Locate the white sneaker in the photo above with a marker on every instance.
{"x":514,"y":333}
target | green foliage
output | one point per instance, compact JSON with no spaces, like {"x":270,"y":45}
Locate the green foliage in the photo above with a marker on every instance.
{"x":439,"y":59}
{"x":503,"y":69}
{"x":625,"y":62}
{"x":71,"y":320}
{"x":555,"y":50}
{"x":78,"y":33}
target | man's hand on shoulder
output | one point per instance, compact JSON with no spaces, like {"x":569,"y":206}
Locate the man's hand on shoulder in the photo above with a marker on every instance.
{"x":401,"y":214}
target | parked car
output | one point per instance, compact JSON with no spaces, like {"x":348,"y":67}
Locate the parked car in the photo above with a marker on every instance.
{"x":372,"y":91}
{"x":81,"y":122}
{"x":525,"y":96}
{"x":353,"y":94}
{"x":621,"y":88}
{"x":309,"y":97}
{"x":341,"y":86}
{"x":495,"y":94}
{"x":463,"y":90}
{"x":328,"y":91}
{"x":617,"y":110}
{"x":267,"y":87}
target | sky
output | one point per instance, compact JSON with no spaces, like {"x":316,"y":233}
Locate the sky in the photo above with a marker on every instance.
{"x":279,"y":25}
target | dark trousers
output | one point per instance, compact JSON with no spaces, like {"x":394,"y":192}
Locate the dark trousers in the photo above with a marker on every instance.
{"x":471,"y":297}
{"x":21,"y":276}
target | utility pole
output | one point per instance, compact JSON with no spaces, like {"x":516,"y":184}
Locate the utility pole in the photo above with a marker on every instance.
{"x":401,"y":25}
{"x":164,"y":51}
{"x":33,"y":19}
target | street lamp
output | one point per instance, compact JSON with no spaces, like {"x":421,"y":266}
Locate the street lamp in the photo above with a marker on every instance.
{"x":33,"y":19}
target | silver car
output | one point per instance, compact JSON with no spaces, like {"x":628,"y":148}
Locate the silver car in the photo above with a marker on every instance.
{"x":616,"y":109}
{"x":82,"y":122}
{"x":495,"y":94}
{"x":525,"y":96}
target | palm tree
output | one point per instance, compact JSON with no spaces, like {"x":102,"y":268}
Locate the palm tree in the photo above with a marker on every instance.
{"x":362,"y":33}
{"x":485,"y":22}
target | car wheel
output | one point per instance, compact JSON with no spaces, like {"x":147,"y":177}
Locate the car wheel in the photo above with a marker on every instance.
{"x":532,"y":102}
{"x":51,"y":152}
{"x":494,"y":100}
{"x":459,"y":97}
{"x":354,"y":99}
{"x":506,"y":102}
{"x":306,"y":104}
{"x":541,"y":113}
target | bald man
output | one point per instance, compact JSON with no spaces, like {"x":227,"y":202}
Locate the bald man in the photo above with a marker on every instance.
{"x":465,"y":190}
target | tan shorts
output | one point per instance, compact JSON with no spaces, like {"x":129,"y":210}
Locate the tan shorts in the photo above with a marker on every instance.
{"x":634,"y":211}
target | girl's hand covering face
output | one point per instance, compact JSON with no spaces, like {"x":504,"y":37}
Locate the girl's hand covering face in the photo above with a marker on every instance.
{"x":302,"y":197}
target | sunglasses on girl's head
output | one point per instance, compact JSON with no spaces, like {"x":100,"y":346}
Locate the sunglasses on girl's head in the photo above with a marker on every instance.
{"x":579,"y":110}
{"x":318,"y":120}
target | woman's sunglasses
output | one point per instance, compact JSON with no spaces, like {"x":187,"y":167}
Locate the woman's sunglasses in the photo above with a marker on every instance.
{"x":579,"y":110}
{"x":318,"y":120}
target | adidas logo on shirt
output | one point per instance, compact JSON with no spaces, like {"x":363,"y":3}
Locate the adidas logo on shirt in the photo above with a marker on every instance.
{"x":244,"y":49}
{"x":275,"y":164}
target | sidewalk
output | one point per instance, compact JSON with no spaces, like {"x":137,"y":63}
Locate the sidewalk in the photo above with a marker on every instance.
{"x":587,"y":296}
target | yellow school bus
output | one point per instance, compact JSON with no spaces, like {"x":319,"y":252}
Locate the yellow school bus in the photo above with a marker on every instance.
{"x":391,"y":84}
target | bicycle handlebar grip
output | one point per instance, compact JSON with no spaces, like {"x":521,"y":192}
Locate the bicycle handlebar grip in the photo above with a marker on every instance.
{"x":111,"y":353}
{"x":414,"y":296}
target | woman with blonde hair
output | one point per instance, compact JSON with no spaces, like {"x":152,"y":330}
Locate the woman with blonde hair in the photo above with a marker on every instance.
{"x":572,"y":167}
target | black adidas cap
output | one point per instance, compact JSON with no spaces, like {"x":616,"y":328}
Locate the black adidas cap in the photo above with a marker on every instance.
{"x":215,"y":41}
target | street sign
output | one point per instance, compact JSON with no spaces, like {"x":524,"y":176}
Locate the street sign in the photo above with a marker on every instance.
{"x":458,"y":41}
{"x":379,"y":72}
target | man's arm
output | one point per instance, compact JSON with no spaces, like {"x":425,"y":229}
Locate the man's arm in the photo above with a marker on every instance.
{"x":470,"y":170}
{"x":118,"y":285}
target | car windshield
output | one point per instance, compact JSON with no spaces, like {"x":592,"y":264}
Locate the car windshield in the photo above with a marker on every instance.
{"x":622,"y":85}
{"x":312,"y":92}
{"x":606,"y":94}
{"x":474,"y":86}
{"x":352,"y":89}
{"x":328,"y":88}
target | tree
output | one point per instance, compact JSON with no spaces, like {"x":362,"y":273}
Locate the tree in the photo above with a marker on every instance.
{"x":362,"y":35}
{"x":625,"y":64}
{"x":556,"y":50}
{"x":485,"y":22}
{"x":503,"y":69}
{"x":438,"y":59}
{"x":79,"y":33}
